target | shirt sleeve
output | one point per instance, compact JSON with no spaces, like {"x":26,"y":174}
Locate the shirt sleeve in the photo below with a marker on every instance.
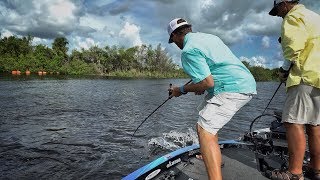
{"x":195,"y":65}
{"x":294,"y":36}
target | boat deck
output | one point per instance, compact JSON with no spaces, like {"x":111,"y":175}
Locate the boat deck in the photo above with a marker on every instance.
{"x":237,"y":165}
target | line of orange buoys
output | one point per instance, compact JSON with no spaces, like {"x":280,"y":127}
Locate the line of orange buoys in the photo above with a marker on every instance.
{"x":16,"y":72}
{"x":27,"y":72}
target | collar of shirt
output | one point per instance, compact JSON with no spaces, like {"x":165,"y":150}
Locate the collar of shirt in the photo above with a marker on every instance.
{"x":298,"y":6}
{"x":186,"y":38}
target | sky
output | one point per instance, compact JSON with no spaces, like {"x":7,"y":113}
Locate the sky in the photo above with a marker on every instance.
{"x":244,"y":25}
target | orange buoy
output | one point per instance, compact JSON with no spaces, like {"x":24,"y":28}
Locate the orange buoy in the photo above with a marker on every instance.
{"x":40,"y":73}
{"x":18,"y":72}
{"x":14,"y":72}
{"x":44,"y":72}
{"x":28,"y":72}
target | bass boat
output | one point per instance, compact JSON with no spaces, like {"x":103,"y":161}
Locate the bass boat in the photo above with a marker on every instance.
{"x":249,"y":158}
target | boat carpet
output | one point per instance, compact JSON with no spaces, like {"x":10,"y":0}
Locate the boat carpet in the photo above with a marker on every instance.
{"x":237,"y":164}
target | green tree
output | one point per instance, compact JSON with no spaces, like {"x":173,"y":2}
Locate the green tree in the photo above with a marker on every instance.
{"x":43,"y":57}
{"x":12,"y":51}
{"x":14,"y":46}
{"x":77,"y":67}
{"x":59,"y":47}
{"x":144,"y":61}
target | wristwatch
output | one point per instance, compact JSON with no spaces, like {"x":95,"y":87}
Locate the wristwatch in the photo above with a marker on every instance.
{"x":181,"y":88}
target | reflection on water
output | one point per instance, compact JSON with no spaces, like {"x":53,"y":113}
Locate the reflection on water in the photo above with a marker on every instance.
{"x":81,"y":128}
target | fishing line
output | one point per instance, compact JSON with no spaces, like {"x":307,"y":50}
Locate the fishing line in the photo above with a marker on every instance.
{"x":258,"y":118}
{"x":133,"y":135}
{"x":156,"y":109}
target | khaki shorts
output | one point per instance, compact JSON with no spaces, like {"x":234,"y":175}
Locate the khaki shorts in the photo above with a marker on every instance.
{"x":216,"y":111}
{"x":302,"y":105}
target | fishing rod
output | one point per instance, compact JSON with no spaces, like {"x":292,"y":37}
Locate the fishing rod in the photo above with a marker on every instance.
{"x":148,"y":117}
{"x":266,"y":107}
{"x":156,"y":109}
{"x":272,"y":97}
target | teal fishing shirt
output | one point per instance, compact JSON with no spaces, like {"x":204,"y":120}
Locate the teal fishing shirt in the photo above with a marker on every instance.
{"x":205,"y":54}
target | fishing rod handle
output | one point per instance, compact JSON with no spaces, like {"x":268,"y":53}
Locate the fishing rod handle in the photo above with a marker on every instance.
{"x":170,"y":92}
{"x":188,"y":82}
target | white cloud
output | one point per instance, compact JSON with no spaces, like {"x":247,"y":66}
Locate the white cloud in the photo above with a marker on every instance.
{"x":84,"y":43}
{"x":261,"y":23}
{"x":233,"y":21}
{"x":36,"y":41}
{"x":42,"y":18}
{"x":112,"y":33}
{"x":255,"y":61}
{"x":61,"y":11}
{"x":93,"y":21}
{"x":131,"y":32}
{"x":229,"y":37}
{"x":8,"y":15}
{"x":205,"y":4}
{"x":6,"y":33}
{"x":110,"y":22}
{"x":266,"y":42}
{"x":265,"y":62}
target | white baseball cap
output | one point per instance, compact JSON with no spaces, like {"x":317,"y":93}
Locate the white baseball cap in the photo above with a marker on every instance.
{"x":175,"y":24}
{"x":273,"y":11}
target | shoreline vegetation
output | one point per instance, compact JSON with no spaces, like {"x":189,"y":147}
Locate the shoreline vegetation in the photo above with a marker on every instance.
{"x":19,"y":57}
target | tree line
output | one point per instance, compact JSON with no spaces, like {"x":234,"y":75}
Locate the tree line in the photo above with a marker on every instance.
{"x":261,"y":73}
{"x":19,"y":54}
{"x":139,"y":61}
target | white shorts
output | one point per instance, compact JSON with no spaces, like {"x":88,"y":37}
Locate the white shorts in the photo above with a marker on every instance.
{"x":302,"y":105}
{"x":216,"y":111}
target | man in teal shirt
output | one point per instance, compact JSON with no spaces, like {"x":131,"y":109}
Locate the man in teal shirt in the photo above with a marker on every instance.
{"x":215,"y":69}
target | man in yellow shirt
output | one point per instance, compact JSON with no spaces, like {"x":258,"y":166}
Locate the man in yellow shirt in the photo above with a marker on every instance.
{"x":300,"y":41}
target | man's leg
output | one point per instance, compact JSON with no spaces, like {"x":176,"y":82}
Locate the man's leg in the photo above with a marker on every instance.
{"x":211,"y":153}
{"x":314,"y":145}
{"x":296,"y":145}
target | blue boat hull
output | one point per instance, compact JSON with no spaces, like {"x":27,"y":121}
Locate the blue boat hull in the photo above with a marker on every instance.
{"x":165,"y":162}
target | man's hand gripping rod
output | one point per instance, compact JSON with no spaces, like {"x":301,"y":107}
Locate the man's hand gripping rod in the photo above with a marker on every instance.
{"x":157,"y":108}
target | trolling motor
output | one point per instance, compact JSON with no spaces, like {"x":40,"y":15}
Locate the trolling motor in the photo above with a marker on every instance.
{"x":264,"y":142}
{"x":265,"y":137}
{"x":269,"y":144}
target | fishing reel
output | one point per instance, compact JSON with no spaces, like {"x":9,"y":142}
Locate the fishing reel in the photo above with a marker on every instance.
{"x":261,"y":142}
{"x":262,"y":139}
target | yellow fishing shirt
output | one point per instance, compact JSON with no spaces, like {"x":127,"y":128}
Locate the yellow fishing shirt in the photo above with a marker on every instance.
{"x":300,"y":36}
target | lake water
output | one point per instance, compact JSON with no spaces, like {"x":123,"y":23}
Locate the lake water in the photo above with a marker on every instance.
{"x":82,"y":128}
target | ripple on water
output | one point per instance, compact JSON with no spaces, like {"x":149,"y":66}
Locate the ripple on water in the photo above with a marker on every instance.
{"x":81,"y":129}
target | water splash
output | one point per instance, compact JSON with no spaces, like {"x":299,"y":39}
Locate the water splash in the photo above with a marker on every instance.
{"x":173,"y":140}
